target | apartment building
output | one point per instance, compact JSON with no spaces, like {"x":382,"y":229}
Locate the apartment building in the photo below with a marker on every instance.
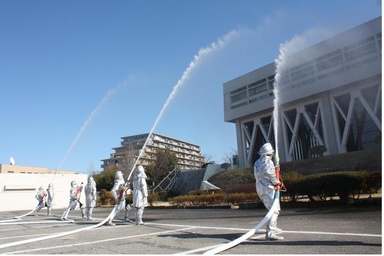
{"x":189,"y":155}
{"x":329,"y":99}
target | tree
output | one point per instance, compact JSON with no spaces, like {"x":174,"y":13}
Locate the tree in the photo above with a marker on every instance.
{"x":165,"y":162}
{"x":208,"y":158}
{"x":228,"y":159}
{"x":225,"y":166}
{"x":127,"y":162}
{"x":106,"y":178}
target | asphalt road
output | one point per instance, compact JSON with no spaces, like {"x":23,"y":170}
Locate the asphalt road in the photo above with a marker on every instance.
{"x":195,"y":231}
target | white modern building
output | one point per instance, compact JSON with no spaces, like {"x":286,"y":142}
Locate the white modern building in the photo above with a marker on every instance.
{"x":329,"y":99}
{"x":189,"y":155}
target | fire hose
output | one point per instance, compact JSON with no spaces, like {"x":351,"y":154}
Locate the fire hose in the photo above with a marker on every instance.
{"x":251,"y":232}
{"x":59,"y":234}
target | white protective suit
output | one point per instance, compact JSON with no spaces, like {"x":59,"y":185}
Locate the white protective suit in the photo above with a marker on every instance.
{"x":90,"y":197}
{"x":266,"y":182}
{"x":119,"y":192}
{"x":140,"y":194}
{"x":50,"y":198}
{"x":74,"y":196}
{"x":40,"y":196}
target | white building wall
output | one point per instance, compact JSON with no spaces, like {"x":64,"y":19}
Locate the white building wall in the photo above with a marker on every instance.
{"x":17,"y":191}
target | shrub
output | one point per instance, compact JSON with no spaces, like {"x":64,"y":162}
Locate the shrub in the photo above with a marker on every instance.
{"x":372,"y":183}
{"x":291,"y":181}
{"x":235,"y":176}
{"x":181,"y":200}
{"x":239,"y":188}
{"x":105,"y":197}
{"x":161,"y":195}
{"x":238,"y":198}
{"x":214,"y":199}
{"x":344,"y":184}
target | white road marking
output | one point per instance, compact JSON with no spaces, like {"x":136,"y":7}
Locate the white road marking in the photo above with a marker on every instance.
{"x":36,"y":222}
{"x":332,"y":233}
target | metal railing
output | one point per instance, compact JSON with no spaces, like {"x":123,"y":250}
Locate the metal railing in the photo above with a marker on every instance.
{"x":167,"y":183}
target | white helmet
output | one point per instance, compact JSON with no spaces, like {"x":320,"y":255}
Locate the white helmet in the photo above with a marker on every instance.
{"x":73,"y":184}
{"x":118,"y":175}
{"x":140,"y":172}
{"x":266,"y":149}
{"x":90,"y":180}
{"x":140,"y":169}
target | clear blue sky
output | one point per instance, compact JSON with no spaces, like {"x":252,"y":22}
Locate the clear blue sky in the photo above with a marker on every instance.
{"x":76,"y":76}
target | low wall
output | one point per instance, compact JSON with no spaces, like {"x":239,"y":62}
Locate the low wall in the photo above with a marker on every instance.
{"x":191,"y":179}
{"x":188,"y":180}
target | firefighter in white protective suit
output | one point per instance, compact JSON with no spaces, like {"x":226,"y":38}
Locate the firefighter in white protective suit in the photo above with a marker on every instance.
{"x":74,"y":201}
{"x":266,"y":185}
{"x":50,"y":198}
{"x":119,"y":191}
{"x":40,"y":196}
{"x":90,"y":197}
{"x":140,"y":194}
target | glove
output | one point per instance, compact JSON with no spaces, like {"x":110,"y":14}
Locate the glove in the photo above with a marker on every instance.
{"x":277,"y":160}
{"x":278,"y":185}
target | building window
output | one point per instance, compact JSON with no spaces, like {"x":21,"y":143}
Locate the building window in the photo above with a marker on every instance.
{"x":239,"y":94}
{"x":306,"y":69}
{"x":258,"y":87}
{"x":329,"y":60}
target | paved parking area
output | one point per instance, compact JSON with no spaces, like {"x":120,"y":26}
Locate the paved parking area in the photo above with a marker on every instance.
{"x":195,"y":231}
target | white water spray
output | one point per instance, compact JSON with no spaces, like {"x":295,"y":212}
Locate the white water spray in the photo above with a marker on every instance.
{"x":282,"y":63}
{"x":204,"y":52}
{"x":109,"y":94}
{"x":279,"y":67}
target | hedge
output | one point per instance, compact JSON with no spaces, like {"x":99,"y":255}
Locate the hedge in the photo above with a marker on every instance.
{"x":214,"y":199}
{"x":317,"y":187}
{"x":320,"y":186}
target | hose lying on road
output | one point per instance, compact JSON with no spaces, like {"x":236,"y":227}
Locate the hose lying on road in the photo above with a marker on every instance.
{"x":21,"y":216}
{"x":111,"y":215}
{"x":250,"y":232}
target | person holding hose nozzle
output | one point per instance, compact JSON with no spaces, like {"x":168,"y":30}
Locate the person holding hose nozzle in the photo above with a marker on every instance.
{"x":40,"y":196}
{"x":267,"y":182}
{"x":119,"y":190}
{"x":74,"y":197}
